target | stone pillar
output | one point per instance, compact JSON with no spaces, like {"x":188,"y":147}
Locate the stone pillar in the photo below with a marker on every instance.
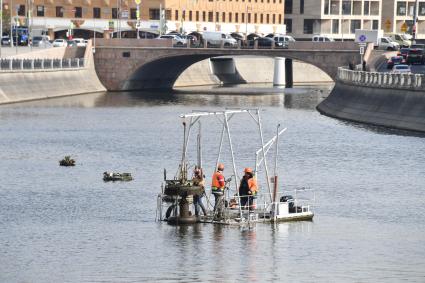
{"x":51,"y":33}
{"x":289,"y":77}
{"x":279,"y":71}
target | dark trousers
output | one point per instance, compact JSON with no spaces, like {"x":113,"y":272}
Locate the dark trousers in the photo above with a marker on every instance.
{"x":197,"y":202}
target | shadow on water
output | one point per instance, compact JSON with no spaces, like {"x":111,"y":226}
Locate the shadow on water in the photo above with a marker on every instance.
{"x":381,"y":130}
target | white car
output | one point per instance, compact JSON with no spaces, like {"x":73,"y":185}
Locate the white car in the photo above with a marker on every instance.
{"x":177,"y":40}
{"x":283,"y":40}
{"x":60,"y":43}
{"x":322,"y":38}
{"x":80,"y":42}
{"x":402,"y":68}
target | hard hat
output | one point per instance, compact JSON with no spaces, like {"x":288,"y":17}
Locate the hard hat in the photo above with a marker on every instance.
{"x":220,"y":166}
{"x":248,"y":170}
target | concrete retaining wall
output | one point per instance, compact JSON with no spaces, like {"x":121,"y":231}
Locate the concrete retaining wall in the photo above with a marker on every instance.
{"x":39,"y":84}
{"x":394,"y":108}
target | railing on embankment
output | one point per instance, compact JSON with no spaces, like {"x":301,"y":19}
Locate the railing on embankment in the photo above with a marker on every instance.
{"x":382,"y":80}
{"x":383,"y":99}
{"x":12,"y":64}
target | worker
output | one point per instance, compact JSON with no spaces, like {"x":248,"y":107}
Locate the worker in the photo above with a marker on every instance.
{"x":198,"y":180}
{"x":248,"y":189}
{"x":217,"y":188}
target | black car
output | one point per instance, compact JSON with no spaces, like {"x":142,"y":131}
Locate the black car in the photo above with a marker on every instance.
{"x":395,"y":60}
{"x":265,"y":42}
{"x":415,"y":55}
{"x":403,"y":52}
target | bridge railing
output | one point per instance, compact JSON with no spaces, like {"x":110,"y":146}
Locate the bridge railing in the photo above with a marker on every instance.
{"x":7,"y":65}
{"x":381,"y":79}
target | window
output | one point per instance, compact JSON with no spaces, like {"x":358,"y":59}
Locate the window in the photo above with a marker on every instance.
{"x":236,"y":17}
{"x":375,"y":24}
{"x":96,"y":13}
{"x":59,"y":11}
{"x":114,"y":13}
{"x":421,"y":9}
{"x":335,"y":7}
{"x":243,"y":17}
{"x":288,"y":23}
{"x":79,"y":12}
{"x":355,"y":24}
{"x":401,"y":8}
{"x":204,"y":16}
{"x":40,"y":11}
{"x":288,"y":6}
{"x":267,"y":19}
{"x":366,"y":8}
{"x":190,"y":15}
{"x":133,"y":13}
{"x":21,"y":10}
{"x":184,"y":15}
{"x":223,"y":17}
{"x":197,"y":16}
{"x":176,"y":15}
{"x":273,"y":18}
{"x":230,"y":17}
{"x":308,"y":26}
{"x":249,"y":17}
{"x":346,"y":7}
{"x":217,"y":19}
{"x":210,"y":17}
{"x":255,"y":18}
{"x":154,"y":14}
{"x":280,"y":19}
{"x":326,"y":8}
{"x":301,"y":6}
{"x":335,"y":26}
{"x":168,"y":14}
{"x":261,"y":18}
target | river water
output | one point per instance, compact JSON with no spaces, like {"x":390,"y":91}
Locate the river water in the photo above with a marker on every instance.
{"x":66,"y":225}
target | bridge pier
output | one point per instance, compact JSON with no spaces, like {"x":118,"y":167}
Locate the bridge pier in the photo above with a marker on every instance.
{"x":279,"y":71}
{"x":224,"y":69}
{"x":289,"y":76}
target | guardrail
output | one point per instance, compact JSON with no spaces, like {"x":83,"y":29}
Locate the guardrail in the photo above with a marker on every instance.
{"x":7,"y":65}
{"x":382,"y":80}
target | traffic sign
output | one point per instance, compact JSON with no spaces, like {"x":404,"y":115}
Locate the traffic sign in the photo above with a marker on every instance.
{"x":403,"y":27}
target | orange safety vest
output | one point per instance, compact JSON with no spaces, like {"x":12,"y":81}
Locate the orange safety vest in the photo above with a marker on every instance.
{"x":217,"y":181}
{"x":252,"y":185}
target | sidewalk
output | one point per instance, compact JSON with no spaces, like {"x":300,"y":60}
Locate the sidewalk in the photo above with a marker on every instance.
{"x":7,"y":51}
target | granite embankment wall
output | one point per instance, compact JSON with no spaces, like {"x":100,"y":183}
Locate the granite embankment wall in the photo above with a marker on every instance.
{"x":26,"y":84}
{"x":383,"y":99}
{"x":251,"y":70}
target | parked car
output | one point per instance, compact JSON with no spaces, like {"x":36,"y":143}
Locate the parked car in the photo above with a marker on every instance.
{"x":415,"y":55}
{"x":401,"y":39}
{"x":283,"y":40}
{"x":5,"y":40}
{"x":322,"y":38}
{"x":191,"y":38}
{"x":401,"y":69}
{"x":265,"y":42}
{"x":217,"y":38}
{"x":60,"y":43}
{"x":80,"y":42}
{"x":71,"y":43}
{"x":37,"y":40}
{"x":177,"y":40}
{"x":403,"y":52}
{"x":395,"y":60}
{"x":386,"y":43}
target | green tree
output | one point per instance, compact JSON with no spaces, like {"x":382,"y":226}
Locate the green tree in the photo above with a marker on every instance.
{"x":6,"y":20}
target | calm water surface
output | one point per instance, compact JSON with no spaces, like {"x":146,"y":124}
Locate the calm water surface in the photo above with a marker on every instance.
{"x":67,"y":225}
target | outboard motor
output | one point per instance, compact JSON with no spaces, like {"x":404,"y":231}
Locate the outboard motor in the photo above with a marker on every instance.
{"x":286,"y":198}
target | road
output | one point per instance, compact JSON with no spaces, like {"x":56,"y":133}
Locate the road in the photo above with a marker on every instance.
{"x":417,"y":69}
{"x":7,"y":51}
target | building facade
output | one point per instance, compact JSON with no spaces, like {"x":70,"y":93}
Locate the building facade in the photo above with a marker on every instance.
{"x":335,"y":18}
{"x":397,"y":17}
{"x":109,"y":16}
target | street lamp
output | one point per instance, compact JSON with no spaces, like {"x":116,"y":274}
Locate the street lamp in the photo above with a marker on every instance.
{"x":415,"y":20}
{"x":246,"y":21}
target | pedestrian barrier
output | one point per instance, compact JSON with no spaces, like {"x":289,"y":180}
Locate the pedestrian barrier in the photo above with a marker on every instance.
{"x":382,"y":79}
{"x":7,"y":65}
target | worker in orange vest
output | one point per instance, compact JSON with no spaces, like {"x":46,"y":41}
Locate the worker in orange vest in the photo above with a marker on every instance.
{"x":248,"y":189}
{"x":217,"y":188}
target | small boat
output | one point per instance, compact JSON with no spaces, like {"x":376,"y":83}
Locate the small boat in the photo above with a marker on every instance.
{"x":67,"y":161}
{"x":112,"y":176}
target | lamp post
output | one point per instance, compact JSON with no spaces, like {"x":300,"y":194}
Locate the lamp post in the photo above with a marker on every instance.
{"x":415,"y":21}
{"x":1,"y":24}
{"x":246,"y":21}
{"x":342,"y":20}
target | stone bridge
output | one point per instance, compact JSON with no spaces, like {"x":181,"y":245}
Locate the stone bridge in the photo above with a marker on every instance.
{"x":128,"y":64}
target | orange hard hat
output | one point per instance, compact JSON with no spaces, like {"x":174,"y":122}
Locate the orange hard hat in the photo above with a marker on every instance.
{"x":248,"y":170}
{"x":220,"y":166}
